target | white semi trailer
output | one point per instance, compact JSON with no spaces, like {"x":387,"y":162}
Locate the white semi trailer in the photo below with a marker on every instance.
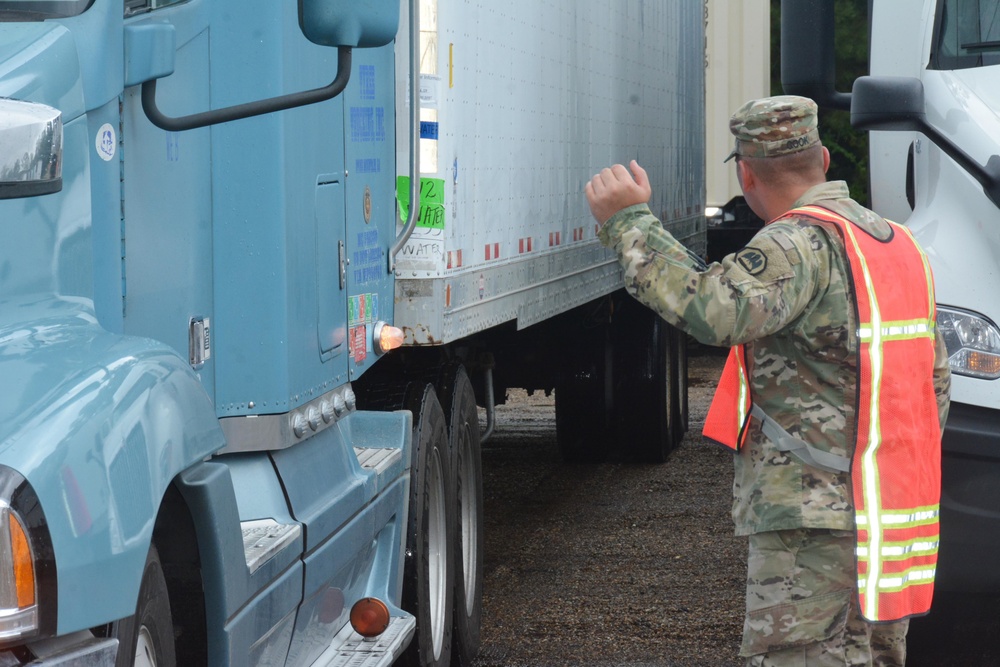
{"x":520,"y":103}
{"x":503,"y":112}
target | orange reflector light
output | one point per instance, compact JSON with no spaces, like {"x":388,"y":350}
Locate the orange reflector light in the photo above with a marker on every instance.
{"x":983,"y":362}
{"x":369,"y":617}
{"x":24,"y":570}
{"x":387,"y":337}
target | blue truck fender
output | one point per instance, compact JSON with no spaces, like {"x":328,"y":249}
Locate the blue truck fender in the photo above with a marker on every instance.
{"x":99,"y":425}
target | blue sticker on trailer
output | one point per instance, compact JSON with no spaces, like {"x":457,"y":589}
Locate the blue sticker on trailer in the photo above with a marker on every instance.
{"x":428,"y":130}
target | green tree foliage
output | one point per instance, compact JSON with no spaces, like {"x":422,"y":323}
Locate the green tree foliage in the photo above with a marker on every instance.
{"x":848,"y":147}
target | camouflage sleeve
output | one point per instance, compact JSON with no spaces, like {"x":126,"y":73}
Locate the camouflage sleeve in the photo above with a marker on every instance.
{"x":752,"y":293}
{"x":942,"y":378}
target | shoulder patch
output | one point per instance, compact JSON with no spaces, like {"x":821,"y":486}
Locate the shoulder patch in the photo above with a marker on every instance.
{"x":753,"y":261}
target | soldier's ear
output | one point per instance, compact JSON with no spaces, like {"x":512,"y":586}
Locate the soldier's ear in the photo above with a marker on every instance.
{"x":747,"y":179}
{"x":826,"y":159}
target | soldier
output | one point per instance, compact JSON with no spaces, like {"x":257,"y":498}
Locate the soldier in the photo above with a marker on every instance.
{"x":833,"y":397}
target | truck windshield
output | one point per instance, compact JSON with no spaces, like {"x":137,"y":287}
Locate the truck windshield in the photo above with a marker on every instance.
{"x":39,"y":10}
{"x":966,"y":34}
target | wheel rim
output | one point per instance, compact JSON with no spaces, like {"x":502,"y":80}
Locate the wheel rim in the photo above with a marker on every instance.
{"x":469,"y":516}
{"x":437,"y":552}
{"x":145,"y":652}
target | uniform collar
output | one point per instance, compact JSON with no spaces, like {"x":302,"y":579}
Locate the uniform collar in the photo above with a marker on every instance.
{"x":828,"y":190}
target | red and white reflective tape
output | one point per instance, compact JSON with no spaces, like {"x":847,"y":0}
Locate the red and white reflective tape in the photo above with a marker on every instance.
{"x":524,"y":245}
{"x":555,"y":238}
{"x":492,"y":251}
{"x":454,"y":259}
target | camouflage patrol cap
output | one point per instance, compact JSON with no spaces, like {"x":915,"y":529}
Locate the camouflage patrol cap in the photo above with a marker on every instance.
{"x":774,"y":126}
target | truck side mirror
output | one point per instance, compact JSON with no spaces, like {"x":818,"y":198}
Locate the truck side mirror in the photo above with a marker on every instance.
{"x":355,"y":23}
{"x":31,"y":160}
{"x":897,"y":104}
{"x":888,"y":103}
{"x":808,"y":66}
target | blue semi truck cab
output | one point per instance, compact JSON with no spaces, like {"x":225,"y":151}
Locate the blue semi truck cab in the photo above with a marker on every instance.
{"x":196,"y":210}
{"x":212,"y":238}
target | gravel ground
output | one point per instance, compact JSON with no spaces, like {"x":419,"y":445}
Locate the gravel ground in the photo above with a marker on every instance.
{"x":634,"y":565}
{"x":614,"y":564}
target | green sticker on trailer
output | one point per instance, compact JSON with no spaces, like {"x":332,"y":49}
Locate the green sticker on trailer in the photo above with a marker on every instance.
{"x":431,"y":213}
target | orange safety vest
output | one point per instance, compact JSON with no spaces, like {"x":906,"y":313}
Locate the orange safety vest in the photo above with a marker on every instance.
{"x":896,"y":466}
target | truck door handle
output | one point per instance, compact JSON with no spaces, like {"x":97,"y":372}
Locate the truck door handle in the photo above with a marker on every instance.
{"x":250,"y":109}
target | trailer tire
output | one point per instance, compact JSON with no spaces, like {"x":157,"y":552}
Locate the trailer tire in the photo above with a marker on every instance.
{"x":681,"y":367}
{"x":459,"y":402}
{"x":647,"y":407}
{"x":147,"y":639}
{"x":584,"y":402}
{"x":428,"y":571}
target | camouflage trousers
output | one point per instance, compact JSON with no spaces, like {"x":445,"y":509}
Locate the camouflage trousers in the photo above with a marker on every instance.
{"x":802,"y":605}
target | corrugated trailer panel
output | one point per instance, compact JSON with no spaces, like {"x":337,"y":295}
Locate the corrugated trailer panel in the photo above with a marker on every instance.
{"x":521,"y":103}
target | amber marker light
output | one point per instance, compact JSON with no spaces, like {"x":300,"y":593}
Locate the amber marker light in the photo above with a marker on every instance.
{"x":984,"y":363}
{"x":369,"y":617}
{"x":386,"y":337}
{"x":24,"y":570}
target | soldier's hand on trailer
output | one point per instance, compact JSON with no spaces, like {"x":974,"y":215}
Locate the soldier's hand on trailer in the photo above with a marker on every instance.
{"x":615,"y":188}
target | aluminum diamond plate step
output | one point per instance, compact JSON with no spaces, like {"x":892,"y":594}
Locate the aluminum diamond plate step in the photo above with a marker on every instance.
{"x":349,"y":649}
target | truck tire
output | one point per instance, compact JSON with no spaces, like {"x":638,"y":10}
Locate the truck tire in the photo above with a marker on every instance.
{"x":428,"y":571}
{"x":147,"y":639}
{"x":681,"y":367}
{"x":459,"y":402}
{"x":584,"y":401}
{"x":647,"y":407}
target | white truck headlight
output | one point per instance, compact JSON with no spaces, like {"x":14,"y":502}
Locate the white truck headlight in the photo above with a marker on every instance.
{"x":973,"y":343}
{"x":27,"y":566}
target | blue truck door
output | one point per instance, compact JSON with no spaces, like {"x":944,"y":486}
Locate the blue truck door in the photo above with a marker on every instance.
{"x":370,"y":132}
{"x":167,"y":199}
{"x":266,"y":198}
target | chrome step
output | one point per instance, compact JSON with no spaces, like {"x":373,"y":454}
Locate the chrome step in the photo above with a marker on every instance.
{"x":349,"y":649}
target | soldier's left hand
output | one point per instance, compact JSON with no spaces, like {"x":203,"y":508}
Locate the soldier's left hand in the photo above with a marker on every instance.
{"x":615,"y":188}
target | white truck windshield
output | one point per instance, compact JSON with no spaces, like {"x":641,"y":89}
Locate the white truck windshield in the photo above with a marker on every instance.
{"x":967,"y":34}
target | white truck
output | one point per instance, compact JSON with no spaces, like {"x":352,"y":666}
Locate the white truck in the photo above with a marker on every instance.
{"x":932,"y":102}
{"x":737,"y":69}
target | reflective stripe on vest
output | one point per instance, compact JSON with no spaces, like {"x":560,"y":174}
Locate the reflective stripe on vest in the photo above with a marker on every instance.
{"x":723,"y":424}
{"x":895,"y":470}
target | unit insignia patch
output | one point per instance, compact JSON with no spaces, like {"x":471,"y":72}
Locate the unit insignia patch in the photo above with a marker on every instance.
{"x":752,"y":260}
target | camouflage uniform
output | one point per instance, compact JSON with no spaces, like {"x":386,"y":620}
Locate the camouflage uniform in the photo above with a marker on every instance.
{"x":787,"y":295}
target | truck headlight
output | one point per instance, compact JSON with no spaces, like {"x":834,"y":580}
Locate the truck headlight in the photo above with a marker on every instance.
{"x":31,"y":162}
{"x":27,"y":565}
{"x":973,"y":343}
